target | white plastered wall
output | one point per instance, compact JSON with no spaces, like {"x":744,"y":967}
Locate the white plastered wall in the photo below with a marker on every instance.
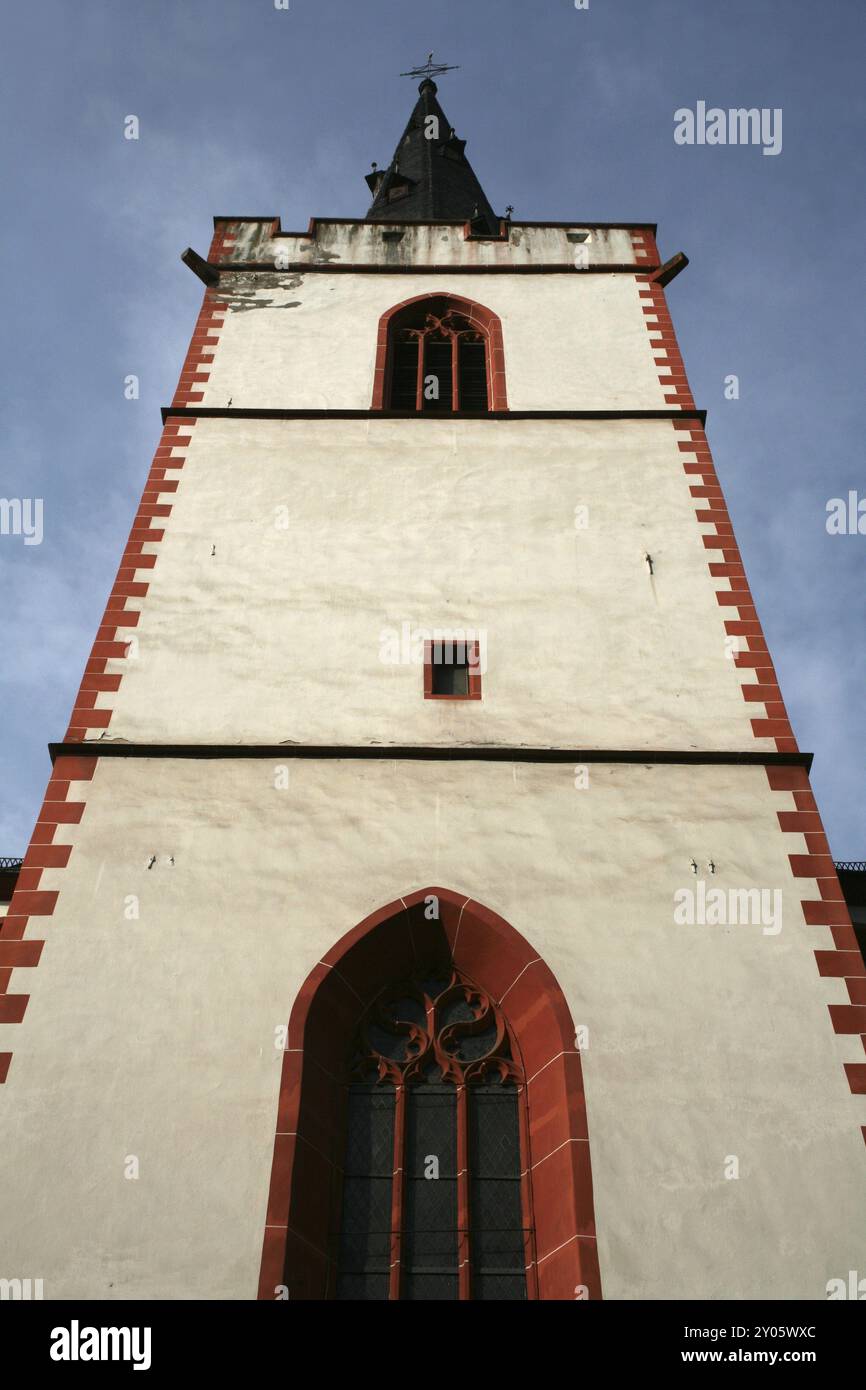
{"x":459,"y":524}
{"x":296,"y":341}
{"x":154,"y":1037}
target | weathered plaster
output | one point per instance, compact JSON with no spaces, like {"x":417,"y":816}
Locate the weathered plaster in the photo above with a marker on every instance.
{"x":364,"y":243}
{"x":262,"y":632}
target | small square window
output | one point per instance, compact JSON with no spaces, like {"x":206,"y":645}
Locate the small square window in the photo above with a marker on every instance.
{"x":452,"y":670}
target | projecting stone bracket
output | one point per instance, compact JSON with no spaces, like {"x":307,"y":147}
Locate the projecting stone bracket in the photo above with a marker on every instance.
{"x":670,"y":269}
{"x":200,"y":267}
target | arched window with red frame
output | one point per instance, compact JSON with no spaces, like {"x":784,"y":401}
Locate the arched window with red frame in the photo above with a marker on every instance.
{"x":431,"y":1135}
{"x":440,"y":354}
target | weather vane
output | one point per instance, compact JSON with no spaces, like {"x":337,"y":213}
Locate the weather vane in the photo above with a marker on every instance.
{"x":431,"y":69}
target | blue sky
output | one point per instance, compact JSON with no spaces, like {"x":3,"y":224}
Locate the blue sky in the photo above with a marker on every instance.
{"x":569,"y":115}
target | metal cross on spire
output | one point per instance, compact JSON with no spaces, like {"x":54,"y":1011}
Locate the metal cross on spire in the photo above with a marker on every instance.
{"x":430,"y":69}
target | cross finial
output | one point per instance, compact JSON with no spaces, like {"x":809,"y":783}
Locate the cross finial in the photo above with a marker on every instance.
{"x":430,"y":69}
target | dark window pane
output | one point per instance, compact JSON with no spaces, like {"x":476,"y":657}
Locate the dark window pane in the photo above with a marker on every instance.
{"x":457,"y":1010}
{"x":408,"y":1009}
{"x":494,"y":1131}
{"x":429,"y":1251}
{"x":473,"y":376}
{"x":365,"y":1230}
{"x":369,"y":1287}
{"x":437,"y":364}
{"x":370,"y":1132}
{"x":475,"y":1045}
{"x":450,"y":680}
{"x":499,"y":1244}
{"x":404,"y":375}
{"x":365,"y":1224}
{"x":450,"y":668}
{"x":497,"y":1221}
{"x":430,"y":1286}
{"x":393,"y":1045}
{"x":499,"y":1287}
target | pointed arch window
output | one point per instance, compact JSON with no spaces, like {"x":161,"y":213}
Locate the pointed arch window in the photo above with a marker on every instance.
{"x":440,"y":354}
{"x":433,"y":1203}
{"x":471,"y":1061}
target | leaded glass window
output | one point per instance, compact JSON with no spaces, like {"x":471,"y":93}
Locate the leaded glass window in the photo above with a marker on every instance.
{"x":433,"y":1203}
{"x":439,"y":360}
{"x":366,"y":1220}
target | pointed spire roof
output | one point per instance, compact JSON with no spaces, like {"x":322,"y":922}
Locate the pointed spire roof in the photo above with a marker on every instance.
{"x":431,"y":165}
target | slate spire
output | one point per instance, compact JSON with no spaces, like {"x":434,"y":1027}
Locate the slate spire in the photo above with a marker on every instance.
{"x":430,"y":164}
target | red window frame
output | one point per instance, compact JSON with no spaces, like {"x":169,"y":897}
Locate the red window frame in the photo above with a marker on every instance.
{"x":488,"y":950}
{"x":474,"y":673}
{"x":479,"y":317}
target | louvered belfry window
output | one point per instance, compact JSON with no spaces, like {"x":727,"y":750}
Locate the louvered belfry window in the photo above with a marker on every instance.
{"x":433,"y":1202}
{"x":438,"y":360}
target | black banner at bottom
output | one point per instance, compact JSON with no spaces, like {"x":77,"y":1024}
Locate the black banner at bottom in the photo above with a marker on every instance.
{"x":166,"y":1339}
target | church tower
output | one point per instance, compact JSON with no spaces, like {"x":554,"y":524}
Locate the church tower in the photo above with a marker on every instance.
{"x":429,"y":900}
